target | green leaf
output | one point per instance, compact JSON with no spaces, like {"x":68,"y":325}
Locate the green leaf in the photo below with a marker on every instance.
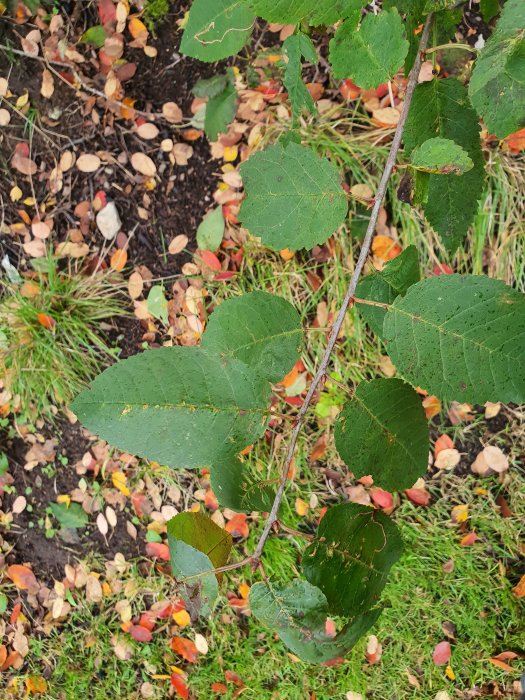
{"x":497,"y":85}
{"x":489,"y":9}
{"x":383,"y":431}
{"x":211,"y":87}
{"x":441,"y":108}
{"x":261,"y":329}
{"x":157,"y":303}
{"x":413,"y":12}
{"x":95,"y":35}
{"x":396,"y":277}
{"x":441,"y":156}
{"x":216,"y":29}
{"x":238,"y":490}
{"x":351,"y":556}
{"x":199,"y":592}
{"x":460,"y":337}
{"x":294,"y":198}
{"x":211,"y":230}
{"x":372,"y":54}
{"x":294,"y":47}
{"x":200,"y":532}
{"x":180,"y":406}
{"x":314,"y":12}
{"x":220,"y":112}
{"x":72,"y":517}
{"x":299,"y":612}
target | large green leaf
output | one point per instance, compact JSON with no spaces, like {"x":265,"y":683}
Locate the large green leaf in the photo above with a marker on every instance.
{"x":441,"y":157}
{"x":201,"y":589}
{"x":220,"y":112}
{"x":294,"y":47}
{"x":200,"y":532}
{"x":216,"y":29}
{"x":237,"y":489}
{"x":497,"y":85}
{"x":261,"y":329}
{"x":294,"y":198}
{"x":460,"y":337}
{"x":440,"y":108}
{"x":351,"y":556}
{"x":396,"y":277}
{"x":383,"y":431}
{"x":298,"y":612}
{"x":312,"y":11}
{"x":180,"y":406}
{"x":372,"y":54}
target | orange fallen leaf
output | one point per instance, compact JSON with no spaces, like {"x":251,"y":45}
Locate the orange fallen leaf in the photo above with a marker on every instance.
{"x":349,"y":90}
{"x":137,"y":29}
{"x":185,"y":648}
{"x":211,"y":260}
{"x":178,"y":682}
{"x":519,"y":588}
{"x":181,"y":618}
{"x":385,"y":248}
{"x":35,"y":685}
{"x":46,"y":321}
{"x":469,"y":539}
{"x":319,"y":448}
{"x":118,"y":260}
{"x":158,"y":550}
{"x":286,"y":254}
{"x":443,"y":443}
{"x":432,"y":406}
{"x":516,"y":141}
{"x":219,"y":688}
{"x":502,"y":665}
{"x":237,"y":526}
{"x":22,"y":577}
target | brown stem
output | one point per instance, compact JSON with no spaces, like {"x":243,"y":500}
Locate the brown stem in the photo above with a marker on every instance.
{"x":369,"y":302}
{"x":367,"y":242}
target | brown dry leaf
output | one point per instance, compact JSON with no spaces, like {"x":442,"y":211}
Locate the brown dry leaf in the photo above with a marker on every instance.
{"x":447,"y":459}
{"x":70,"y":249}
{"x":412,"y":679}
{"x":426,"y":72}
{"x":40,"y":229}
{"x":135,"y":285}
{"x":491,"y":459}
{"x":88,"y":163}
{"x":22,"y":577}
{"x":182,"y":152}
{"x":5,"y":117}
{"x":48,"y":84}
{"x":387,"y":117}
{"x":23,"y":163}
{"x":178,"y":244}
{"x":319,"y":448}
{"x":35,"y":248}
{"x":519,"y":588}
{"x":492,"y":409}
{"x":19,"y":505}
{"x":143,"y":164}
{"x":93,"y":589}
{"x":147,"y":131}
{"x":172,"y":112}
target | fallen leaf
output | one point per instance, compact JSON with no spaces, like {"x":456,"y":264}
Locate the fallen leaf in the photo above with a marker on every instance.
{"x":237,"y":526}
{"x":143,"y":164}
{"x":319,"y":449}
{"x":178,"y":244}
{"x":181,"y":618}
{"x":491,"y":459}
{"x":119,"y":482}
{"x":382,"y":498}
{"x":158,"y":550}
{"x":442,"y":443}
{"x":185,"y":648}
{"x":140,"y":633}
{"x":447,"y":459}
{"x":172,"y":112}
{"x":502,"y":665}
{"x":385,"y":248}
{"x":441,"y":654}
{"x":301,"y":507}
{"x":147,"y":131}
{"x":419,"y":497}
{"x":48,"y":84}
{"x":519,"y":588}
{"x":108,"y":221}
{"x":432,"y":406}
{"x":459,"y":514}
{"x":118,"y":260}
{"x":469,"y":539}
{"x":22,"y":577}
{"x":178,"y":682}
{"x":201,"y":644}
{"x":211,"y":260}
{"x":88,"y":163}
{"x":373,"y":649}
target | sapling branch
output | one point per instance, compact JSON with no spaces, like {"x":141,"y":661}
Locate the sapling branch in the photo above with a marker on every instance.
{"x":365,"y":248}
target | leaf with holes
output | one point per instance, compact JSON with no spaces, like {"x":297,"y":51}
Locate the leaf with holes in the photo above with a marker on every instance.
{"x":295,"y":47}
{"x":383,"y":431}
{"x":460,"y":337}
{"x":299,"y":612}
{"x":351,"y":556}
{"x":238,"y":490}
{"x":396,"y":277}
{"x":372,"y":53}
{"x":440,"y":108}
{"x":216,"y":29}
{"x":181,"y":406}
{"x":441,"y":156}
{"x":497,"y":85}
{"x":294,"y":198}
{"x":261,"y":329}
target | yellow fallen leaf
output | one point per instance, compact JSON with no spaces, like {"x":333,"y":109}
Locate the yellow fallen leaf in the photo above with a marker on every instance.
{"x":182,"y":618}
{"x":119,"y":482}
{"x":460,"y":513}
{"x":449,"y":673}
{"x":64,"y":498}
{"x":230,"y":153}
{"x":118,"y":260}
{"x":301,"y":507}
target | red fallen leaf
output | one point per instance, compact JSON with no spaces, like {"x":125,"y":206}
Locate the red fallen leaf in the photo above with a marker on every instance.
{"x":12,"y":658}
{"x":107,"y":11}
{"x":329,"y":628}
{"x":148,"y":620}
{"x":506,"y":655}
{"x":230,"y":210}
{"x":158,"y":550}
{"x":442,"y":269}
{"x":219,"y":688}
{"x":268,"y":89}
{"x":349,"y":90}
{"x":441,"y":653}
{"x":3,"y":654}
{"x":15,"y":613}
{"x":138,"y":499}
{"x":381,"y":498}
{"x":319,"y":448}
{"x":140,"y":633}
{"x":46,"y":321}
{"x":504,"y":509}
{"x":442,"y":443}
{"x":100,"y":200}
{"x":469,"y":539}
{"x":237,"y":526}
{"x":211,"y":260}
{"x":223,"y":276}
{"x":210,"y":501}
{"x":293,"y":400}
{"x":22,"y":577}
{"x":185,"y":648}
{"x":232,"y":677}
{"x":126,"y":71}
{"x":419,"y":497}
{"x":334,"y":662}
{"x":178,"y":682}
{"x":167,"y":610}
{"x":240,"y":603}
{"x":382,"y":90}
{"x":366,"y":480}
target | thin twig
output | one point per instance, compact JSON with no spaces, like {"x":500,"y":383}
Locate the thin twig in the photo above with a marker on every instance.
{"x":321,"y":372}
{"x":369,"y":302}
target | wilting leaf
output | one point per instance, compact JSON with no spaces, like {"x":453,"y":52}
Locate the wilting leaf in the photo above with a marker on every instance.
{"x":294,"y":198}
{"x":351,"y":556}
{"x":382,"y":431}
{"x":460,"y":337}
{"x":372,"y":53}
{"x":497,"y":84}
{"x":216,"y":29}
{"x":261,"y":329}
{"x":180,"y":406}
{"x":299,"y":612}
